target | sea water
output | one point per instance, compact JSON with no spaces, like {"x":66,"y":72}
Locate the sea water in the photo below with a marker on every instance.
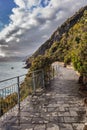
{"x":10,"y":70}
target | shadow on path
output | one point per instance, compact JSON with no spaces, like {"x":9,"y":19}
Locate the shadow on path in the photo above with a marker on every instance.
{"x":58,"y":108}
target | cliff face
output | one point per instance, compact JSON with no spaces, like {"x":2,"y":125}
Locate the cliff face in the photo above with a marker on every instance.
{"x":57,"y":35}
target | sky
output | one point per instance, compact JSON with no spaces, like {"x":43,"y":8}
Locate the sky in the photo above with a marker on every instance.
{"x":27,"y":24}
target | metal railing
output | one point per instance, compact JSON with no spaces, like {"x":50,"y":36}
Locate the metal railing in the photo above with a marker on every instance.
{"x":14,"y":90}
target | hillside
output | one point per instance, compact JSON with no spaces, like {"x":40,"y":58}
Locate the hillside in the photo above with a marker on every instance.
{"x":67,"y":44}
{"x":72,"y":46}
{"x":57,"y":35}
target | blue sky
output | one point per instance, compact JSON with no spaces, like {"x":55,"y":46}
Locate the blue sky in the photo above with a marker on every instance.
{"x":26,"y":24}
{"x":44,"y":3}
{"x":6,"y":7}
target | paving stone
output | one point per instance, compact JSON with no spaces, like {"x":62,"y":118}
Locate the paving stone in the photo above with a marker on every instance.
{"x":40,"y":127}
{"x":29,"y":129}
{"x":54,"y":114}
{"x":63,"y":113}
{"x":73,"y":113}
{"x":37,"y":121}
{"x":52,"y":127}
{"x":44,"y":109}
{"x":26,"y":127}
{"x":65,"y":127}
{"x":70,"y":119}
{"x":74,"y":119}
{"x":45,"y":116}
{"x":60,"y":119}
{"x":78,"y":126}
{"x":23,"y":120}
{"x":27,"y":114}
{"x":66,"y":109}
{"x":52,"y":109}
{"x":73,"y":108}
{"x":53,"y":105}
{"x":53,"y":119}
{"x":65,"y":105}
{"x":61,"y":108}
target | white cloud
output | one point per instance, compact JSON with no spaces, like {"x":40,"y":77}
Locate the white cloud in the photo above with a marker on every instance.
{"x":2,"y":54}
{"x":20,"y":3}
{"x":31,"y":23}
{"x":30,"y":3}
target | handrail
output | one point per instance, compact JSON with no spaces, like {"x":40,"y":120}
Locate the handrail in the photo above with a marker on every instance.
{"x":20,"y":75}
{"x":17,"y":90}
{"x":12,"y":78}
{"x":36,"y":71}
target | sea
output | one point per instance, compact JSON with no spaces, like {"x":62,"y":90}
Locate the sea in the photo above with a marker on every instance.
{"x":9,"y":70}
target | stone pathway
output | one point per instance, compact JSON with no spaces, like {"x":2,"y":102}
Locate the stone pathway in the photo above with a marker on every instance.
{"x":59,"y":108}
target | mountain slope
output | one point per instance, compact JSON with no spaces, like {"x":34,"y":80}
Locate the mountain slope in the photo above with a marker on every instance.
{"x":57,"y":35}
{"x":67,"y":44}
{"x":73,"y":46}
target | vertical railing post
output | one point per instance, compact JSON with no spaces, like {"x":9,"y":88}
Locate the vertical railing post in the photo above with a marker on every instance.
{"x":43,"y":78}
{"x":49,"y":76}
{"x":18,"y":82}
{"x":0,"y":105}
{"x":34,"y":85}
{"x":53,"y":71}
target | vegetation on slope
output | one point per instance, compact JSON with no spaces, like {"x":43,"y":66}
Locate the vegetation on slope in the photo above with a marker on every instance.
{"x":70,"y":48}
{"x":57,"y":35}
{"x":73,"y":46}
